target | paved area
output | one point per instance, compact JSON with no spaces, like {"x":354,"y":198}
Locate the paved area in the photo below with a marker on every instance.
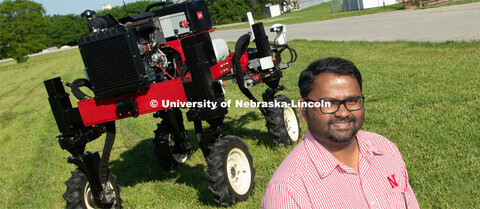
{"x":45,"y":51}
{"x":459,"y":22}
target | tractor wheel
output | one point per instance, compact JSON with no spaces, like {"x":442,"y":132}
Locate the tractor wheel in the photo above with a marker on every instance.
{"x":167,"y":154}
{"x":282,"y":122}
{"x":79,"y":195}
{"x":230,"y":171}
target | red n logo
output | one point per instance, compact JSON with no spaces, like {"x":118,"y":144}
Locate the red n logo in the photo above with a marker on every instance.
{"x":393,"y":181}
{"x":200,"y":15}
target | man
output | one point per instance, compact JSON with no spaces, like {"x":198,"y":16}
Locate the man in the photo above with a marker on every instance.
{"x":336,"y":165}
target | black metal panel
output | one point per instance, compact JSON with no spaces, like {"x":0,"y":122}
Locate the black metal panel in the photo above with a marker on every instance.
{"x":207,"y":47}
{"x":200,"y":71}
{"x":67,"y":118}
{"x":261,"y":40}
{"x":113,"y":62}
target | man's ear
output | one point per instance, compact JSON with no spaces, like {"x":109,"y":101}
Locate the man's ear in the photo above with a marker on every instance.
{"x":302,"y":109}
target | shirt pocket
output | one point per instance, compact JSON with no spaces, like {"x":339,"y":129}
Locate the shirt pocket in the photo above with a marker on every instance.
{"x":398,"y":200}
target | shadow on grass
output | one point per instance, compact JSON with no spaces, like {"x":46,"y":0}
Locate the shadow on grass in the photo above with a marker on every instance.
{"x":139,"y":164}
{"x":195,"y":177}
{"x":236,"y":128}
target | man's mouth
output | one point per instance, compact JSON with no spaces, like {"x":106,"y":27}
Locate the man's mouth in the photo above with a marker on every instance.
{"x":342,"y":124}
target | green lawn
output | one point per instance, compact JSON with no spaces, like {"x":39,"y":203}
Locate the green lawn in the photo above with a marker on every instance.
{"x":311,"y":14}
{"x":422,"y":96}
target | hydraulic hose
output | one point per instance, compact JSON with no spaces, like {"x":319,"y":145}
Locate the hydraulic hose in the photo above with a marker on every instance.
{"x":75,"y":86}
{"x":240,"y":48}
{"x":104,"y":172}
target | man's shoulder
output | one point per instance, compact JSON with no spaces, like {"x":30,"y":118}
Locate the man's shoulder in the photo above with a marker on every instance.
{"x":292,"y":166}
{"x":371,"y":135}
{"x":374,"y":137}
{"x":287,"y":188}
{"x":378,"y":141}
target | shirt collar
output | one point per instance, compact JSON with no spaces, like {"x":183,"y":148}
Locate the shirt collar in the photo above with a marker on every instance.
{"x":325,"y":162}
{"x":366,"y":146}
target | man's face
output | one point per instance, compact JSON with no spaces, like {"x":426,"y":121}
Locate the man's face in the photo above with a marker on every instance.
{"x":341,"y":126}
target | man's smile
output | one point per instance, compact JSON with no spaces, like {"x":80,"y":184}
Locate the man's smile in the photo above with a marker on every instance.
{"x":342,"y":124}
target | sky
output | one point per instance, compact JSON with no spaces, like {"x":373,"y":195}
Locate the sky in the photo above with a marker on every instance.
{"x":63,"y":7}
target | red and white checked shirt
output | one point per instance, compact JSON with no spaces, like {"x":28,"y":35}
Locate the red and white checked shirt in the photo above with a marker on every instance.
{"x":311,"y":177}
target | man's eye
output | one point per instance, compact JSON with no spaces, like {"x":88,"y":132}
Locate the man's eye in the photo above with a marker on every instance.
{"x":333,"y":102}
{"x":355,"y":100}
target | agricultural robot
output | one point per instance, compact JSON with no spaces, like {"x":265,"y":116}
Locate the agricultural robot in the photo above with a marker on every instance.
{"x":134,"y":64}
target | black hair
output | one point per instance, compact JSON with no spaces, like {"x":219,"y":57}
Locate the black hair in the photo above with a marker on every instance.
{"x":335,"y":65}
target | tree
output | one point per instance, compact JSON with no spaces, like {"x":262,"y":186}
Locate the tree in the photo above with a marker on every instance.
{"x":22,"y":28}
{"x":132,"y":8}
{"x":210,"y":2}
{"x":256,"y":6}
{"x":66,"y":30}
{"x":228,"y":11}
{"x":223,"y":12}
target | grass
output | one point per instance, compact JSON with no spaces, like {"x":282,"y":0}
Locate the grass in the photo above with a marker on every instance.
{"x":422,"y":96}
{"x":311,"y":14}
{"x":448,"y":4}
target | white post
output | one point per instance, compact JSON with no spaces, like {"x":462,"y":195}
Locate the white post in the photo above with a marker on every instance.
{"x":251,"y":22}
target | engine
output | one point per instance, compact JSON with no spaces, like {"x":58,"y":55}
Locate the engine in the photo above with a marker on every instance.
{"x":128,"y":55}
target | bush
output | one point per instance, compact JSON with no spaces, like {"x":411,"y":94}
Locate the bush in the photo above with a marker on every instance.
{"x":22,"y":28}
{"x":228,"y":11}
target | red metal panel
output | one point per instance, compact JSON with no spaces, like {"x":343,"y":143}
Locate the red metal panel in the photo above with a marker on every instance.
{"x":96,"y":111}
{"x":222,"y":67}
{"x":177,"y":46}
{"x":244,"y":62}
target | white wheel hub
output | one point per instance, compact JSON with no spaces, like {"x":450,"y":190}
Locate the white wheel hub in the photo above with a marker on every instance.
{"x":239,"y":173}
{"x":180,"y":158}
{"x":291,"y":123}
{"x":88,"y":198}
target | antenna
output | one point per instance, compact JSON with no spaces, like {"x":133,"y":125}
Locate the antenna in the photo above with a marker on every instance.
{"x":125,"y":6}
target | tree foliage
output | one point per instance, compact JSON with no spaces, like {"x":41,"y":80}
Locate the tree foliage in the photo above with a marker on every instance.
{"x":132,"y":9}
{"x":22,"y":28}
{"x":228,"y":11}
{"x":65,"y":30}
{"x":256,"y":6}
{"x":224,"y":11}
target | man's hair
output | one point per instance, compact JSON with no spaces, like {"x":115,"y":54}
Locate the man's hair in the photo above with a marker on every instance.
{"x":330,"y":64}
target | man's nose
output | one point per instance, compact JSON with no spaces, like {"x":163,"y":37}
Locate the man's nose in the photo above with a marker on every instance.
{"x":342,"y":111}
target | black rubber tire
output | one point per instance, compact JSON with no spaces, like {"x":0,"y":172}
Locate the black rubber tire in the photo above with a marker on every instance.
{"x":77,"y":195}
{"x":223,"y":153}
{"x":164,"y":148}
{"x":276,"y":123}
